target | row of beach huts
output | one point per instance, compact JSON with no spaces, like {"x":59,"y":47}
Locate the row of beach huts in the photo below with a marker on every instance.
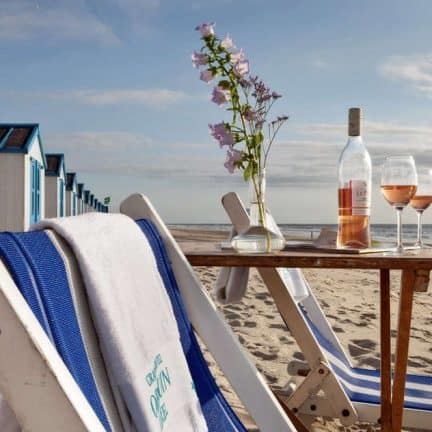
{"x":35,"y":185}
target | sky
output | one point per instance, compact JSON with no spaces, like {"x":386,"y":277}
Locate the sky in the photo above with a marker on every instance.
{"x":112,"y":86}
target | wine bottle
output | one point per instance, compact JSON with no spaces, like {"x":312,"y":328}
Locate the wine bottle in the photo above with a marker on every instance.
{"x":354,"y":194}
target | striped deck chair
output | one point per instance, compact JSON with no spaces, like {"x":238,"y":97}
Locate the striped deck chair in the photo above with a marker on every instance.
{"x":52,"y":373}
{"x":332,"y":387}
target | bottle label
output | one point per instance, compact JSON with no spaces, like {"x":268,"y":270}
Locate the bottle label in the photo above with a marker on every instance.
{"x":360,"y":197}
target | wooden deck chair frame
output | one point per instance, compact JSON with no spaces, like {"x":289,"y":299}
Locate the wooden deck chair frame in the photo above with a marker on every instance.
{"x":43,"y":394}
{"x":211,"y":327}
{"x":320,"y":394}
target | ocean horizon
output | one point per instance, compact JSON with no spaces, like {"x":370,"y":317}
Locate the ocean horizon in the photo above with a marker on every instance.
{"x":378,"y":231}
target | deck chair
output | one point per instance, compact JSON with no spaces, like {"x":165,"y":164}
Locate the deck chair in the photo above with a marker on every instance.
{"x":52,"y":373}
{"x":332,"y":387}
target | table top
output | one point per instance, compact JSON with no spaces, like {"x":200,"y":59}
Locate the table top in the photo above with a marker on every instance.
{"x":211,"y":254}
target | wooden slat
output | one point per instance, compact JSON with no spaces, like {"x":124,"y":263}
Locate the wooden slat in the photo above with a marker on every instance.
{"x":385,"y":331}
{"x":402,"y":344}
{"x":210,"y":255}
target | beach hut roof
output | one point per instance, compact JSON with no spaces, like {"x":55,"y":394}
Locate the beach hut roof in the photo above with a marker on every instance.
{"x":55,"y":162}
{"x":71,"y":180}
{"x":86,"y":196}
{"x":80,"y":190}
{"x":19,"y":138}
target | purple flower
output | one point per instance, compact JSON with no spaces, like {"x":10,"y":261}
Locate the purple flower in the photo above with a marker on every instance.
{"x":249,"y":114}
{"x":241,"y":68}
{"x":227,"y":43}
{"x":206,"y":29}
{"x":220,"y":95}
{"x":233,"y":156}
{"x":206,"y":76}
{"x":199,"y":59}
{"x":237,"y":56}
{"x":276,"y":95}
{"x":221,"y":133}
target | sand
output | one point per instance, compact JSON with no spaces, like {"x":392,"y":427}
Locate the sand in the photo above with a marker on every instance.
{"x":351,"y":303}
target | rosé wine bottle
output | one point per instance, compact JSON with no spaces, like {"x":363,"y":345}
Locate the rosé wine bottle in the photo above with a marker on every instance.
{"x":354,"y":193}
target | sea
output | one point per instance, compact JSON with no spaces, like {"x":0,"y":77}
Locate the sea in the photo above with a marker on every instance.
{"x":379,"y":232}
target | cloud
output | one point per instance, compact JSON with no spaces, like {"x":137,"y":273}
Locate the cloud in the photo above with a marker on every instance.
{"x":309,"y":161}
{"x":154,"y":97}
{"x":415,"y":70}
{"x":22,"y":20}
{"x":132,"y":154}
{"x":157,"y":96}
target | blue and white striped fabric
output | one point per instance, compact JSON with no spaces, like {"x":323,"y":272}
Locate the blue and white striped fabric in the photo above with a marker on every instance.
{"x":363,"y":385}
{"x":39,"y":272}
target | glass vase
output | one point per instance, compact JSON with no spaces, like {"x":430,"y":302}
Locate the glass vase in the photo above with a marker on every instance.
{"x":262,"y":235}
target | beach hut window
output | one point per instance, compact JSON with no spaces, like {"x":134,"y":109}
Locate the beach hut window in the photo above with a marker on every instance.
{"x":62,"y":193}
{"x":35,"y":179}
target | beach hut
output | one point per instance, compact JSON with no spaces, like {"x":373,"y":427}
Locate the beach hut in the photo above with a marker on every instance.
{"x":22,"y":176}
{"x":55,"y":184}
{"x":86,"y":198}
{"x":91,"y":202}
{"x":80,"y":206}
{"x":95,"y":204}
{"x":71,"y":194}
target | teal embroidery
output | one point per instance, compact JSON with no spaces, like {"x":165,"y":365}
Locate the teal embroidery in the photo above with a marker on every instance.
{"x":159,"y":379}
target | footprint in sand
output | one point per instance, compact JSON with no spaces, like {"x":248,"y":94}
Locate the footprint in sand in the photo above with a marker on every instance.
{"x":234,"y":307}
{"x":365,"y":343}
{"x":299,"y":356}
{"x":264,"y":355}
{"x":235,"y":323}
{"x":368,"y":316}
{"x":338,"y":330}
{"x":372,"y":362}
{"x":232,"y":315}
{"x":285,"y":340}
{"x":278,"y":326}
{"x":250,"y":324}
{"x":356,"y":351}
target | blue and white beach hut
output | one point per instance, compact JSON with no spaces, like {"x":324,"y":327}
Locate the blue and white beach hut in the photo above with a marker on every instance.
{"x":95,"y":204}
{"x":80,"y":198}
{"x":71,"y":194}
{"x":22,"y":176}
{"x":86,"y":201}
{"x":91,"y":203}
{"x":55,"y":186}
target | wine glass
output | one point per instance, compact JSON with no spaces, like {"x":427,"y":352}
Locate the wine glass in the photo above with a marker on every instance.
{"x":399,"y":185}
{"x":420,"y":202}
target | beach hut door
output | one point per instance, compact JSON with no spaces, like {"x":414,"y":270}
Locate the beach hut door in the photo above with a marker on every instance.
{"x":35,"y":181}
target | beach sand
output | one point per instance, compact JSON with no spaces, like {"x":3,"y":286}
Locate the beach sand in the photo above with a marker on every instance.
{"x":351,"y":303}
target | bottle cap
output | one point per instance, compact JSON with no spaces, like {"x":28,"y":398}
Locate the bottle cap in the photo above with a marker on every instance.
{"x":354,"y":121}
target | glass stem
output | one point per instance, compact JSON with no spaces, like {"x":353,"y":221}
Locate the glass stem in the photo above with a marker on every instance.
{"x":399,"y":246}
{"x":419,"y":241}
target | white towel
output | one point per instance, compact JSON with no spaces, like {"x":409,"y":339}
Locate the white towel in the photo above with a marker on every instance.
{"x":134,"y":320}
{"x":231,"y":283}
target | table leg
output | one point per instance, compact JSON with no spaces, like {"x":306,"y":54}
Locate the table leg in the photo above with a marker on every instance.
{"x":385,"y":338}
{"x":402,"y":343}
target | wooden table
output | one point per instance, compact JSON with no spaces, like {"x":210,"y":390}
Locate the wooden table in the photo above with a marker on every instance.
{"x":415,"y":277}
